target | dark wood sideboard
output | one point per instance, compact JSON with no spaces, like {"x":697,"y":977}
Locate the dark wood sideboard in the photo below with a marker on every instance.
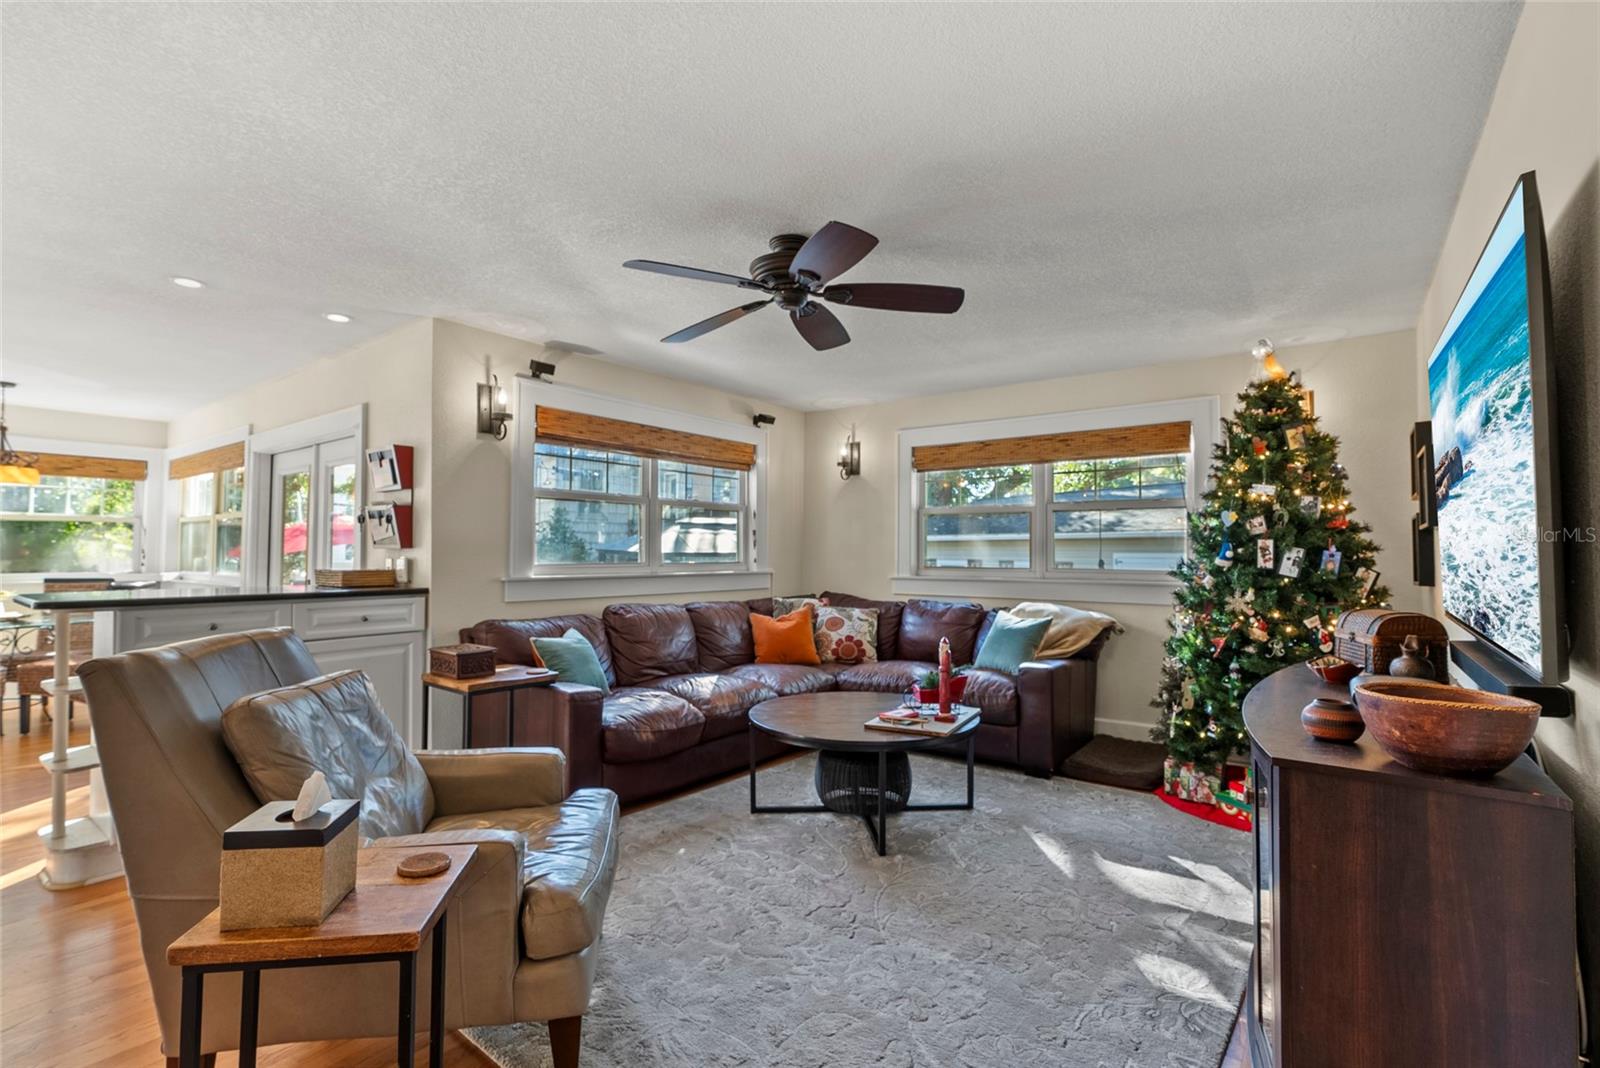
{"x":1404,"y":920}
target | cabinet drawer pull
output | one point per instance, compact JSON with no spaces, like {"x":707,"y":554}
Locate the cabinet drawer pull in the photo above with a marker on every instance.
{"x":212,"y":627}
{"x":364,"y":619}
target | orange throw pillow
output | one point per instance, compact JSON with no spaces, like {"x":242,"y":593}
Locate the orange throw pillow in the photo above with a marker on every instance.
{"x":785,"y":640}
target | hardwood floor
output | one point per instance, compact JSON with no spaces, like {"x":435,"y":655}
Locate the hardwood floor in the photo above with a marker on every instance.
{"x":72,"y":987}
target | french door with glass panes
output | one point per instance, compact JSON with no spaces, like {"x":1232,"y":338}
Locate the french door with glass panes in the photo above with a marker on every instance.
{"x":313,"y":525}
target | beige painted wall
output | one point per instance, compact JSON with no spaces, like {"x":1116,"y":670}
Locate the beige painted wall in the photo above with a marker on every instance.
{"x":75,"y":426}
{"x":1363,"y":393}
{"x":1545,"y":117}
{"x":390,"y":374}
{"x":471,"y":472}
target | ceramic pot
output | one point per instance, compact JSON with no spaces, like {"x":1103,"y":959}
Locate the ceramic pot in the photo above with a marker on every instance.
{"x":1411,"y":664}
{"x":1332,"y":720}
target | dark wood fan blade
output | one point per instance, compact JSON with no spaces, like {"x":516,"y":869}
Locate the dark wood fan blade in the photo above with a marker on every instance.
{"x":705,"y":326}
{"x":831,"y":251}
{"x":691,"y":272}
{"x":897,"y":296}
{"x":820,"y":327}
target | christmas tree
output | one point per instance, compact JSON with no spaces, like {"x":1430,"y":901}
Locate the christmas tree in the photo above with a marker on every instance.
{"x":1275,"y":557}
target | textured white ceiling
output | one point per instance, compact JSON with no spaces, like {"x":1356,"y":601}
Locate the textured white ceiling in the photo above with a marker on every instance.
{"x":1113,"y":185}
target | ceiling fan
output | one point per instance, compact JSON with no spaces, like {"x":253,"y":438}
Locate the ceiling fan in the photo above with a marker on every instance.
{"x":797,"y":272}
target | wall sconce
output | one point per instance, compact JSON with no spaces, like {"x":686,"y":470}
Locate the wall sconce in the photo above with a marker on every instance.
{"x":761,"y":419}
{"x":850,"y":456}
{"x":492,"y":414}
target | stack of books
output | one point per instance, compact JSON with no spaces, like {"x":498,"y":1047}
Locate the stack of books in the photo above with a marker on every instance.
{"x":910,"y":720}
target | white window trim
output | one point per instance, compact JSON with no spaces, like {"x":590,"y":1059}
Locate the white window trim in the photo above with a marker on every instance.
{"x":259,"y":449}
{"x":1103,"y":586}
{"x":524,"y":582}
{"x":147,"y":501}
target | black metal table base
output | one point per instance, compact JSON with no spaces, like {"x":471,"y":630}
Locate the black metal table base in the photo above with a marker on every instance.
{"x":250,"y":1002}
{"x":877,"y":823}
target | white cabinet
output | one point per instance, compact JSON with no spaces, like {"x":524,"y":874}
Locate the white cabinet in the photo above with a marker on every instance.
{"x":384,"y":635}
{"x":145,"y":628}
{"x":394,"y":664}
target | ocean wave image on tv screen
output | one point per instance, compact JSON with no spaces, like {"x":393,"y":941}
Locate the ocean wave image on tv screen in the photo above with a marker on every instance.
{"x":1480,"y":388}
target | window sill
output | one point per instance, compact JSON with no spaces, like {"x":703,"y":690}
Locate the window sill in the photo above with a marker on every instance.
{"x":1099,"y":587}
{"x":577,"y":587}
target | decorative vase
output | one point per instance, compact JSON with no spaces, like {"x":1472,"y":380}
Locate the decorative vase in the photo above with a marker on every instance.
{"x":1411,"y":663}
{"x":1332,"y":720}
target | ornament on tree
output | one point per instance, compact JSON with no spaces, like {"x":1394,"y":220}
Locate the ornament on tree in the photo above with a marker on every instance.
{"x":1228,"y":517}
{"x":1240,"y":601}
{"x":1257,"y":524}
{"x":1310,"y":506}
{"x":1258,"y":446}
{"x":1277,"y":647}
{"x":1339,"y":522}
{"x":1369,"y":579}
{"x":1293,"y":560}
{"x":1295,"y":436}
{"x":1264,"y":557}
{"x":1258,"y":629}
{"x":1225,"y":556}
{"x":1331,"y":559}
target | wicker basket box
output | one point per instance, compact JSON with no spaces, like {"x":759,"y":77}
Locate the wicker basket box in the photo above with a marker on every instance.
{"x":1370,"y":638}
{"x":374,"y":578}
{"x":461,"y":661}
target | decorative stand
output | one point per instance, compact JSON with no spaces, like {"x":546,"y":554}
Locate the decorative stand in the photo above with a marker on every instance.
{"x":84,"y":850}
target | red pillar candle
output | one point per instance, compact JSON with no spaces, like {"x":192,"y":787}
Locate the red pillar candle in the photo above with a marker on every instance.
{"x":945,"y":715}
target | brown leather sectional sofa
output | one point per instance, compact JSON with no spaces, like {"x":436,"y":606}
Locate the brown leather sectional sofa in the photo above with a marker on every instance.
{"x":683,"y":679}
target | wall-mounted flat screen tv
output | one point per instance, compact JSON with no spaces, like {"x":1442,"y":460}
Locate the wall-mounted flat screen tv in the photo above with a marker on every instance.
{"x":1495,"y":479}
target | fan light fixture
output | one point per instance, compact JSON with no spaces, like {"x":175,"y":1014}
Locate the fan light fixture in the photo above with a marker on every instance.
{"x":850,"y":456}
{"x":337,"y":317}
{"x":16,"y":468}
{"x":188,"y":283}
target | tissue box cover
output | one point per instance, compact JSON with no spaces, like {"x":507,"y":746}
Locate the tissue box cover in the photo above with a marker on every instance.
{"x":280,"y":873}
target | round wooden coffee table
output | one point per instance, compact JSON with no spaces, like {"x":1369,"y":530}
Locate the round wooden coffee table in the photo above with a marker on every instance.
{"x":834,"y":725}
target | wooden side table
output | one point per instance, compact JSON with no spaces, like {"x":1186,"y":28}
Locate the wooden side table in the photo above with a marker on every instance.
{"x":506,"y":678}
{"x":385,"y":918}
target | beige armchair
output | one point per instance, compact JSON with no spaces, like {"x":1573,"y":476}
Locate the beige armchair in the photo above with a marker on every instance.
{"x":524,"y":930}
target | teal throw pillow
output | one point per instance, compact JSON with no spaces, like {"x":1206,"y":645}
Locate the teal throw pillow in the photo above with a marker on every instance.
{"x":574,"y":659}
{"x":1010,"y":642}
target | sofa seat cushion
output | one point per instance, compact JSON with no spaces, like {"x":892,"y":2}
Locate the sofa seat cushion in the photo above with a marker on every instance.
{"x":642,"y":724}
{"x":786,"y":680}
{"x":995,"y":694}
{"x":567,"y":867}
{"x":722,"y":698}
{"x":884,"y":676}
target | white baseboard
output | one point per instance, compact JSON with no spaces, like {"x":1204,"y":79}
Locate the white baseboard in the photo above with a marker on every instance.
{"x":1137,"y":730}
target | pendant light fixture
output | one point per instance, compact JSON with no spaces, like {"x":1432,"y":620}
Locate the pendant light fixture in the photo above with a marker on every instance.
{"x":17,"y":468}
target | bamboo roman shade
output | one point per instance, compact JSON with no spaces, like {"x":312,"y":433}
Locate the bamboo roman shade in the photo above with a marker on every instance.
{"x":68,"y":466}
{"x":1147,"y":440}
{"x":221,"y":458}
{"x":597,"y":432}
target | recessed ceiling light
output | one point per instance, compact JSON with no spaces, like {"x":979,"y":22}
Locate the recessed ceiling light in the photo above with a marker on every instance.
{"x":188,"y":283}
{"x":337,"y":317}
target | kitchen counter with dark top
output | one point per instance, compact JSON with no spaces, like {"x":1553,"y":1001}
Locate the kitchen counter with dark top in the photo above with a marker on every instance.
{"x":165,"y":595}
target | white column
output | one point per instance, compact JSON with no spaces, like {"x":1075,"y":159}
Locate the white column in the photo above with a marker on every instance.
{"x":60,"y":721}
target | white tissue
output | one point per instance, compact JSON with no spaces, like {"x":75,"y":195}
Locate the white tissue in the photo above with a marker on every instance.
{"x":314,"y":793}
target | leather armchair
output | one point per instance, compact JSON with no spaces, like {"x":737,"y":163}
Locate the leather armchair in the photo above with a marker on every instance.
{"x":524,"y":930}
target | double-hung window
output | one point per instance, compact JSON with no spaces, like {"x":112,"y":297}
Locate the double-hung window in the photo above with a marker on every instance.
{"x":610,"y":495}
{"x":67,"y":525}
{"x":211,"y":522}
{"x":1106,"y":499}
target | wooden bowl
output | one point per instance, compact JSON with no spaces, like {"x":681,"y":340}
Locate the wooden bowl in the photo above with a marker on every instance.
{"x":1332,"y":669}
{"x":1446,"y":729}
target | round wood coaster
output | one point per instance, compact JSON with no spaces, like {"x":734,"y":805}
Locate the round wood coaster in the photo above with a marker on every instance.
{"x":422,"y":865}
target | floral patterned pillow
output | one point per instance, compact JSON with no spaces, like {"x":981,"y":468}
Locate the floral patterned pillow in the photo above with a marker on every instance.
{"x":846,"y":635}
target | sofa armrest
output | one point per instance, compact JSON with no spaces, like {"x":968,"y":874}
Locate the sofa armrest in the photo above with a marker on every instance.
{"x":481,"y":780}
{"x":567,"y":716}
{"x":1056,"y":711}
{"x":484,"y":947}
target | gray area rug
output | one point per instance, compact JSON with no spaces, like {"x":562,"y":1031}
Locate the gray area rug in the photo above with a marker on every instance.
{"x":1061,"y":923}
